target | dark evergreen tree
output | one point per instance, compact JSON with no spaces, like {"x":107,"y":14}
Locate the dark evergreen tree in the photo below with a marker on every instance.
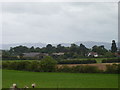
{"x":32,"y":49}
{"x":113,"y":47}
{"x":82,"y":50}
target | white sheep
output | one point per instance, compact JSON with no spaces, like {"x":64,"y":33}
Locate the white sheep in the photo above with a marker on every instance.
{"x":26,"y":87}
{"x":33,"y":85}
{"x":14,"y":87}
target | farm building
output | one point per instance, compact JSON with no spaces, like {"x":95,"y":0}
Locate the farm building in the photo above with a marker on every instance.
{"x":93,"y":54}
{"x":34,"y":55}
{"x":58,"y":54}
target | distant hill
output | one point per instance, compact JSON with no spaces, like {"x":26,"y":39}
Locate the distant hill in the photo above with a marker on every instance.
{"x":7,"y":46}
{"x":88,"y":44}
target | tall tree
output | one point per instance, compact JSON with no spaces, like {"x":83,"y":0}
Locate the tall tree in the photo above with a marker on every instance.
{"x":18,"y":50}
{"x":32,"y":49}
{"x":73,"y":48}
{"x":82,"y":50}
{"x":50,"y":49}
{"x":113,"y":47}
{"x":99,"y":49}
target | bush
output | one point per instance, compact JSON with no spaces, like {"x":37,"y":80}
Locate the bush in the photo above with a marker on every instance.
{"x":48,"y":64}
{"x":90,"y":69}
{"x":118,"y":68}
{"x":22,"y":65}
{"x":114,"y":68}
{"x":4,"y":57}
{"x":5,"y":65}
{"x":64,"y":69}
{"x":115,"y":60}
{"x":33,"y":66}
{"x":79,"y":69}
{"x":76,"y":61}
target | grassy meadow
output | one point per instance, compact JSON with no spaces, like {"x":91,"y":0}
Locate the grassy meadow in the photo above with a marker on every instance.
{"x":59,"y":80}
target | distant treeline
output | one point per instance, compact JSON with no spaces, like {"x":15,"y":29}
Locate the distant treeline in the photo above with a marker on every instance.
{"x":74,"y":51}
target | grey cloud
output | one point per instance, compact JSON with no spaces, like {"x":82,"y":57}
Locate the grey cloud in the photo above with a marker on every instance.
{"x":59,"y":22}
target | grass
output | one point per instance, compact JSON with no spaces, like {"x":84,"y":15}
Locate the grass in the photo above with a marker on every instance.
{"x":59,"y":80}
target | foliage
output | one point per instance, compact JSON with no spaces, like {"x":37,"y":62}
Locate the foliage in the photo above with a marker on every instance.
{"x":18,"y":50}
{"x":113,"y":68}
{"x":109,"y":54}
{"x":111,"y":60}
{"x":99,"y":49}
{"x":48,"y":64}
{"x":79,"y":69}
{"x":76,"y":61}
{"x":74,"y":51}
{"x":71,"y":52}
{"x":113,"y":47}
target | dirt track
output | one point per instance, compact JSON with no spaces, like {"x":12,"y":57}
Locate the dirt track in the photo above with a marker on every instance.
{"x":101,"y":66}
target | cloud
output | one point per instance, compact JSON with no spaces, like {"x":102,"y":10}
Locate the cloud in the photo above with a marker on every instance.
{"x":59,"y":22}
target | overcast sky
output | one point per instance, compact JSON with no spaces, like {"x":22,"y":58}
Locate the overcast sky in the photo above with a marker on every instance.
{"x":66,"y":22}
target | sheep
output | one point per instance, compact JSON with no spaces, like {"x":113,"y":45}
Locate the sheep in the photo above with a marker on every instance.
{"x":14,"y":87}
{"x":26,"y":87}
{"x":33,"y":85}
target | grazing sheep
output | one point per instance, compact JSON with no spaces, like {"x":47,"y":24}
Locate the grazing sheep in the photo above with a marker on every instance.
{"x":14,"y":87}
{"x":26,"y":87}
{"x":33,"y":85}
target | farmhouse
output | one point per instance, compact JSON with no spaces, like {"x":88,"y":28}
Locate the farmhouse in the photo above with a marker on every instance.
{"x":34,"y":55}
{"x":93,"y":54}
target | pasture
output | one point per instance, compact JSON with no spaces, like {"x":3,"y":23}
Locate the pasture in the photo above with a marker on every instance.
{"x":58,"y":80}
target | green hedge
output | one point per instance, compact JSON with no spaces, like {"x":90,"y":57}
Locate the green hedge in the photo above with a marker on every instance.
{"x":76,"y":61}
{"x":79,"y":69}
{"x":115,"y":60}
{"x":114,"y":68}
{"x":47,"y":64}
{"x":50,"y":65}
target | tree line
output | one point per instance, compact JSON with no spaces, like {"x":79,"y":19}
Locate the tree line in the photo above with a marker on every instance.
{"x":73,"y":51}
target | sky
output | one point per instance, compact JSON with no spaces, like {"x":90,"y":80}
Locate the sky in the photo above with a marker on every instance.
{"x":59,"y":22}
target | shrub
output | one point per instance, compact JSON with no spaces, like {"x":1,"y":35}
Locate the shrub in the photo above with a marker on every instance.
{"x":5,"y":65}
{"x":90,"y":69}
{"x":33,"y":66}
{"x":22,"y":65}
{"x":118,"y":68}
{"x":64,"y":69}
{"x":13,"y":65}
{"x":48,"y":64}
{"x":112,"y":68}
{"x":76,"y":61}
{"x":79,"y":69}
{"x":115,"y":60}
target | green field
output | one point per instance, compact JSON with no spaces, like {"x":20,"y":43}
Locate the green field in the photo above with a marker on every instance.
{"x":59,"y":80}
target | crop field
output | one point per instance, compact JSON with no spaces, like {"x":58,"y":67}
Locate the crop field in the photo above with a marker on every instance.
{"x":58,"y":80}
